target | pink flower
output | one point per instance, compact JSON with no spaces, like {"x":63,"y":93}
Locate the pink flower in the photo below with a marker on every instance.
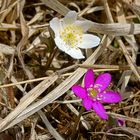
{"x":94,"y":93}
{"x":121,"y":122}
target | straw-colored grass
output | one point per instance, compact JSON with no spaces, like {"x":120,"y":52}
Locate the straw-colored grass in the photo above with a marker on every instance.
{"x":36,"y":77}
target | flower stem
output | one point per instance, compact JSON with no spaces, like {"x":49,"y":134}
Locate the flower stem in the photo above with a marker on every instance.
{"x":75,"y":127}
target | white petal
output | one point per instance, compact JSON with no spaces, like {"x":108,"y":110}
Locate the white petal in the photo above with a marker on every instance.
{"x":60,"y":43}
{"x":55,"y":25}
{"x":85,"y":25}
{"x":89,"y":41}
{"x":70,"y":17}
{"x":75,"y":53}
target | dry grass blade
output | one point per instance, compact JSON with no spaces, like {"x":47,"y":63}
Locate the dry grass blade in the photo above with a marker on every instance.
{"x":33,"y":94}
{"x":43,"y":102}
{"x":22,"y":43}
{"x":124,"y":81}
{"x":6,"y":49}
{"x":56,"y":5}
{"x":135,"y":8}
{"x":135,"y":120}
{"x":6,"y":10}
{"x":129,"y":59}
{"x":84,"y":123}
{"x":125,"y":52}
{"x":111,"y":134}
{"x":116,"y":29}
{"x":5,"y":27}
{"x":24,"y":82}
{"x":53,"y":132}
{"x":87,"y":8}
{"x":129,"y":130}
{"x":99,"y":67}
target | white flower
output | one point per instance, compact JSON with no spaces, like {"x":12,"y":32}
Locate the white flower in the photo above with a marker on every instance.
{"x":70,"y":35}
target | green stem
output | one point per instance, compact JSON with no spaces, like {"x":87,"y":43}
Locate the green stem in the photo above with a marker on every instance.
{"x":75,"y":127}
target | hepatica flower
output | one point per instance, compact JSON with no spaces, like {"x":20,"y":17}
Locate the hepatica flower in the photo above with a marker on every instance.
{"x":70,"y":35}
{"x":121,"y":122}
{"x":94,"y":93}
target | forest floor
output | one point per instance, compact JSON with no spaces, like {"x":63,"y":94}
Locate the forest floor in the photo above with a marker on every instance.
{"x":36,"y":99}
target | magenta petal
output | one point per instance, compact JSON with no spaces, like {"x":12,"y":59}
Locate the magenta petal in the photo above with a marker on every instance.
{"x":99,"y":110}
{"x":87,"y":103}
{"x":79,"y":91}
{"x":121,"y":122}
{"x":102,"y":82}
{"x":89,"y":79}
{"x":110,"y":97}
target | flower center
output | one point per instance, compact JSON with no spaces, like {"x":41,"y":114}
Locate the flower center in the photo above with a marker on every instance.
{"x":92,"y":92}
{"x":72,"y":35}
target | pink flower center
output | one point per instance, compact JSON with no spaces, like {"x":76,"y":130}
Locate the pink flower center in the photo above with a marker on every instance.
{"x":92,"y":92}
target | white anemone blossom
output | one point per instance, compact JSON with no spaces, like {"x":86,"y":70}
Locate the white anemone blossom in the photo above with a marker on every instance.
{"x":70,"y":35}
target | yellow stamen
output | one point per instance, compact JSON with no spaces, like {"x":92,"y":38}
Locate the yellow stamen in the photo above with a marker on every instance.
{"x":72,"y":35}
{"x":92,"y":92}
